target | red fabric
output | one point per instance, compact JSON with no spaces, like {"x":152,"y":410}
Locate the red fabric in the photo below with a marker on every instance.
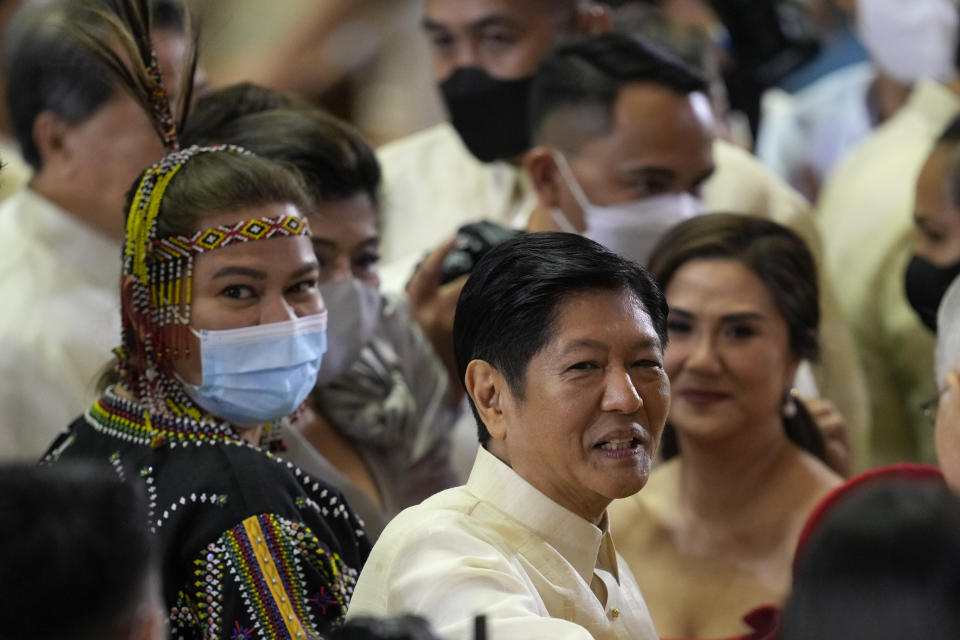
{"x":765,"y":622}
{"x":904,"y":471}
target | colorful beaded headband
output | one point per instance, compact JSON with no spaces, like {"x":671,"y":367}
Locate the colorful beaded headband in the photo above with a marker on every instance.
{"x":141,"y":232}
{"x":177,"y":247}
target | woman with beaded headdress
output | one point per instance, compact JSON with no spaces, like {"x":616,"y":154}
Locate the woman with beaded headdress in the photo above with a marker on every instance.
{"x":223,"y":333}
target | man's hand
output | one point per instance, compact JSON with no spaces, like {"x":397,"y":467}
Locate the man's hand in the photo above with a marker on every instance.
{"x":833,"y":428}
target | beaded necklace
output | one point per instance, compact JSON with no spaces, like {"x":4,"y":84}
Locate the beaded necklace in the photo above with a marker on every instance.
{"x":126,"y":419}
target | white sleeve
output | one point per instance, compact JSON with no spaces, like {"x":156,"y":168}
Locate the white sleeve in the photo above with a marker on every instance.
{"x":34,"y":405}
{"x":449,"y":576}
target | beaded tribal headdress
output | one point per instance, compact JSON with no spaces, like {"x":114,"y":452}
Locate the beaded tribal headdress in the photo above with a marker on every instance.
{"x":162,"y":267}
{"x":162,"y":271}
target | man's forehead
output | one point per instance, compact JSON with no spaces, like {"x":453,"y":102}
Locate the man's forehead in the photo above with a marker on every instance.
{"x":641,"y":99}
{"x":465,"y":13}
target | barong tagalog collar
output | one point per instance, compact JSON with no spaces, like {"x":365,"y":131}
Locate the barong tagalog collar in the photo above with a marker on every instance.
{"x":162,"y":272}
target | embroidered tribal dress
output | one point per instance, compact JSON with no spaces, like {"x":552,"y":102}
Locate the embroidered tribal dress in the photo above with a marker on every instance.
{"x":251,"y":546}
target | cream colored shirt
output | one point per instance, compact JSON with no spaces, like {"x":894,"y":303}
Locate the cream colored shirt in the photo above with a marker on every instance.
{"x":15,"y":172}
{"x":432,"y":186}
{"x":866,"y":221}
{"x":804,"y":135}
{"x":59,"y":280}
{"x":497,"y":546}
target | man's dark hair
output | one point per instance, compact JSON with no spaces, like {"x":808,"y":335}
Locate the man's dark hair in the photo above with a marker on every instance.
{"x":584,"y":75}
{"x":75,"y":553}
{"x":333,"y":159}
{"x":950,"y":139}
{"x":48,"y":68}
{"x":950,"y":133}
{"x":507,"y":309}
{"x":403,"y":627}
{"x":167,"y":15}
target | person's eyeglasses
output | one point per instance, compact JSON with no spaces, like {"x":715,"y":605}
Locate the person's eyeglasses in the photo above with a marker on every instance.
{"x":930,"y":407}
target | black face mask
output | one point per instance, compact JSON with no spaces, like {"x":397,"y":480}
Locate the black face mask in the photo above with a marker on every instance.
{"x":490,"y":115}
{"x":926,"y":284}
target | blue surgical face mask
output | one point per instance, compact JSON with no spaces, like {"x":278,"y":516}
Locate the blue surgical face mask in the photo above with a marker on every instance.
{"x":262,"y":373}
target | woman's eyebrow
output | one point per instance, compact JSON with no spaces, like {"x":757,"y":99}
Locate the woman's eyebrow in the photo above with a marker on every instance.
{"x":745,"y":315}
{"x":310,"y":267}
{"x":256,"y":274}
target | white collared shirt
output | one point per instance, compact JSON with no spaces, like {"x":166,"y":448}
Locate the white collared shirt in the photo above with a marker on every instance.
{"x":814,"y":128}
{"x":432,"y":186}
{"x":60,"y":286}
{"x":16,"y":172}
{"x":497,"y":546}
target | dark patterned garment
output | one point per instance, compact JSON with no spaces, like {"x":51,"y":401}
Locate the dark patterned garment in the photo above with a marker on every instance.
{"x":252,"y":547}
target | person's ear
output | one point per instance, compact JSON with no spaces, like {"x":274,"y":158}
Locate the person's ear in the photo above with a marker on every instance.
{"x":553,"y":193}
{"x":487,"y":389}
{"x":594,"y":18}
{"x":541,"y":167}
{"x":50,"y":136}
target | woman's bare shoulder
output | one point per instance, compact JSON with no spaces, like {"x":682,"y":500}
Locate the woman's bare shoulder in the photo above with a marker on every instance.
{"x":815,"y":475}
{"x":810,"y":481}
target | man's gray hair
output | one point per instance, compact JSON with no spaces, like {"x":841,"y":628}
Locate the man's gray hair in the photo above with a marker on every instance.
{"x":948,"y":332}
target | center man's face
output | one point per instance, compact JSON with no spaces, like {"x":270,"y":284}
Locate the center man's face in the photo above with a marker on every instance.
{"x":506,"y":38}
{"x":660,"y":141}
{"x":595,"y":402}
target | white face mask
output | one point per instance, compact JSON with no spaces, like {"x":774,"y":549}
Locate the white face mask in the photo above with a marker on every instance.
{"x":631,"y":229}
{"x":910,"y":40}
{"x":354,"y":309}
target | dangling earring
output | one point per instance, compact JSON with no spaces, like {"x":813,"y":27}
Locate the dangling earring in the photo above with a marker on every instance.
{"x":789,"y":409}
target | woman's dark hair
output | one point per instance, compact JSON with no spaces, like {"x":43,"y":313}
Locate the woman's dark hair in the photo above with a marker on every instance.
{"x":333,"y":159}
{"x":782,"y":261}
{"x":884,"y":565}
{"x":507,"y":309}
{"x":218,"y":109}
{"x":214,"y":183}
